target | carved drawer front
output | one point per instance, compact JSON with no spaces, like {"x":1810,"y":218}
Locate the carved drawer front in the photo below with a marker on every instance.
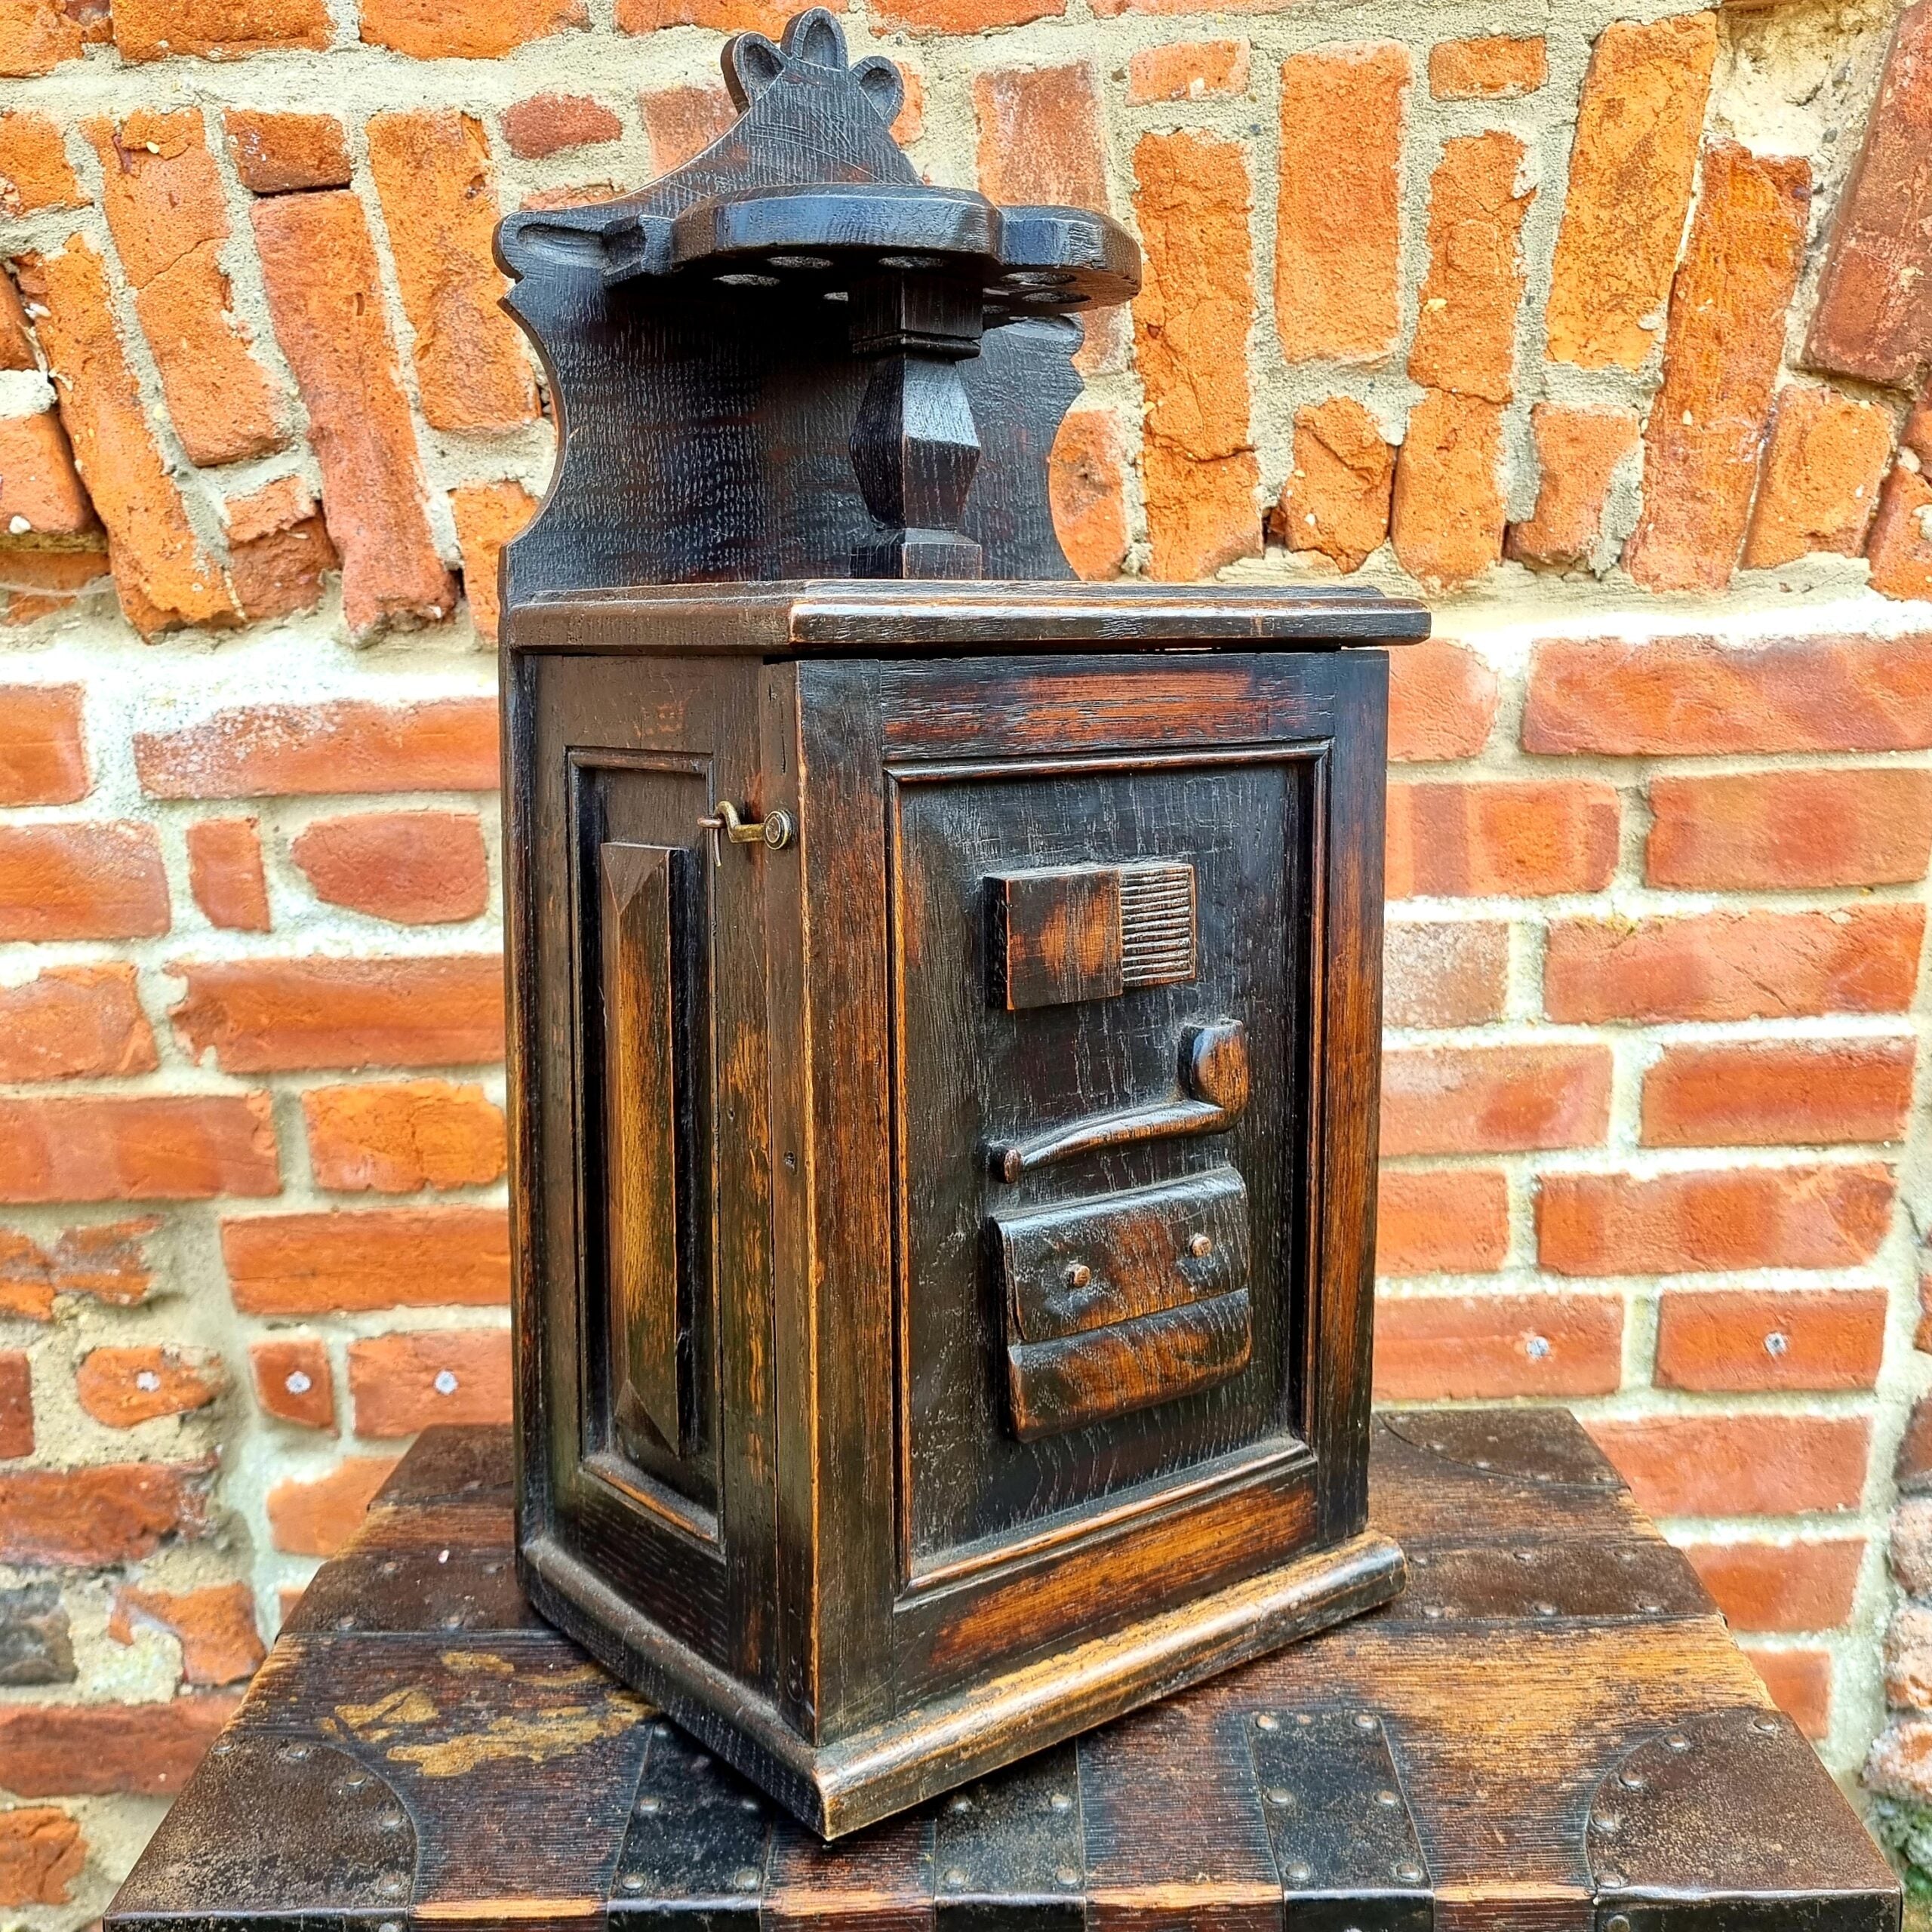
{"x":1117,"y":1304}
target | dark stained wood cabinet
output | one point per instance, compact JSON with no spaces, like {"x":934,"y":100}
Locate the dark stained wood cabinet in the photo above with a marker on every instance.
{"x":946,"y":1012}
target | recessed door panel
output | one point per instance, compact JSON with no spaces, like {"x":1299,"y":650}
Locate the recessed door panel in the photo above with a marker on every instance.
{"x":1101,"y":982}
{"x":645,"y":1002}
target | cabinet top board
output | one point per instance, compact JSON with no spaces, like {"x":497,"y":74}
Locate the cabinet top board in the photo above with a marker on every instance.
{"x":853,"y":617}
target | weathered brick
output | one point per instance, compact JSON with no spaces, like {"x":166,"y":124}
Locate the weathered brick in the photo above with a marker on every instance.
{"x":278,"y":550}
{"x":1788,"y":829}
{"x":549,"y":123}
{"x":1187,"y":70}
{"x":401,"y":1384}
{"x":1493,"y":1100}
{"x":82,"y":879}
{"x":34,"y":172}
{"x":1900,"y":544}
{"x":71,"y":1022}
{"x":418,"y":867}
{"x":1041,"y":142}
{"x":1800,"y":1682}
{"x":275,"y":1015}
{"x":1466,"y":327}
{"x":1900,"y":1765}
{"x":1744,"y":1342}
{"x":400,"y":1257}
{"x":164,"y":577}
{"x":216,"y":29}
{"x":466,"y":29}
{"x":41,"y":1852}
{"x":281,"y":154}
{"x":315,"y":1518}
{"x":432,"y":170}
{"x":766,"y":17}
{"x":1822,"y":466}
{"x":43,"y":747}
{"x":487,"y":515}
{"x":225,"y":873}
{"x":1495,"y":67}
{"x":123,"y":1387}
{"x":16,"y":1405}
{"x":338,"y":744}
{"x":1444,"y":972}
{"x":1442,"y":1221}
{"x":40,"y":490}
{"x":401,"y":1135}
{"x":325,"y":297}
{"x":1087,"y":489}
{"x":1199,"y":471}
{"x":136,"y":1147}
{"x":1703,"y":1220}
{"x":959,"y":17}
{"x":1908,"y":1551}
{"x":1874,"y":317}
{"x":163,"y":200}
{"x":1335,"y":499}
{"x":1778,"y":1093}
{"x":36,"y":1642}
{"x":1442,"y":701}
{"x":106,"y":1260}
{"x":1721,"y":354}
{"x":1764,"y":1586}
{"x":1739,"y":1465}
{"x":1696,"y":697}
{"x":1338,"y":218}
{"x":1579,"y":452}
{"x":81,"y":1750}
{"x":1630,"y":167}
{"x":1434,"y":1348}
{"x":1733,"y":965}
{"x":110,"y":1513}
{"x":681,"y":122}
{"x":36,"y":36}
{"x":1514,"y":838}
{"x":293,"y":1381}
{"x":17,"y":346}
{"x":1446,"y":514}
{"x":215,"y":1626}
{"x":1908,"y":1658}
{"x":1914,"y":1462}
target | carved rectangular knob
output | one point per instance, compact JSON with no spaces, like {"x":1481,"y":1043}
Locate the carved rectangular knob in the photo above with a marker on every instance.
{"x":1067,"y":933}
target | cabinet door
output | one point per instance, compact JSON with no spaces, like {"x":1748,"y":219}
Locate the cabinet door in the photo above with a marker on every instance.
{"x":1134,"y":934}
{"x":648,"y":1270}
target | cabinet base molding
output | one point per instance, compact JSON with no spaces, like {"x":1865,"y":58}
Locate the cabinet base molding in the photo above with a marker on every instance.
{"x":842,"y":1787}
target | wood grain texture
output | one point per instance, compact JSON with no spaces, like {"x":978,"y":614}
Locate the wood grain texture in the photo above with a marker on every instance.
{"x":504,"y":1781}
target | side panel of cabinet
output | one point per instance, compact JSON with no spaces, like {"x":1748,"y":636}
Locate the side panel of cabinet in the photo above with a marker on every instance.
{"x":643,"y":1285}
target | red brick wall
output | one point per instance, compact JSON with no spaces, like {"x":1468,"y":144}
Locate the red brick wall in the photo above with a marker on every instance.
{"x":1606,"y":334}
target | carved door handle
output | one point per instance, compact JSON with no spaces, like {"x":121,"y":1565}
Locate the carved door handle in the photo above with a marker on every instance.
{"x":1213,"y":1073}
{"x":774,"y":830}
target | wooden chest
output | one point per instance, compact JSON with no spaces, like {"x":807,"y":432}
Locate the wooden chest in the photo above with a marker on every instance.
{"x":944,"y":1214}
{"x":1550,"y":1729}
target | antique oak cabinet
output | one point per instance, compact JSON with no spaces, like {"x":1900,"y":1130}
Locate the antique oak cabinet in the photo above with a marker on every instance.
{"x":946,"y":997}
